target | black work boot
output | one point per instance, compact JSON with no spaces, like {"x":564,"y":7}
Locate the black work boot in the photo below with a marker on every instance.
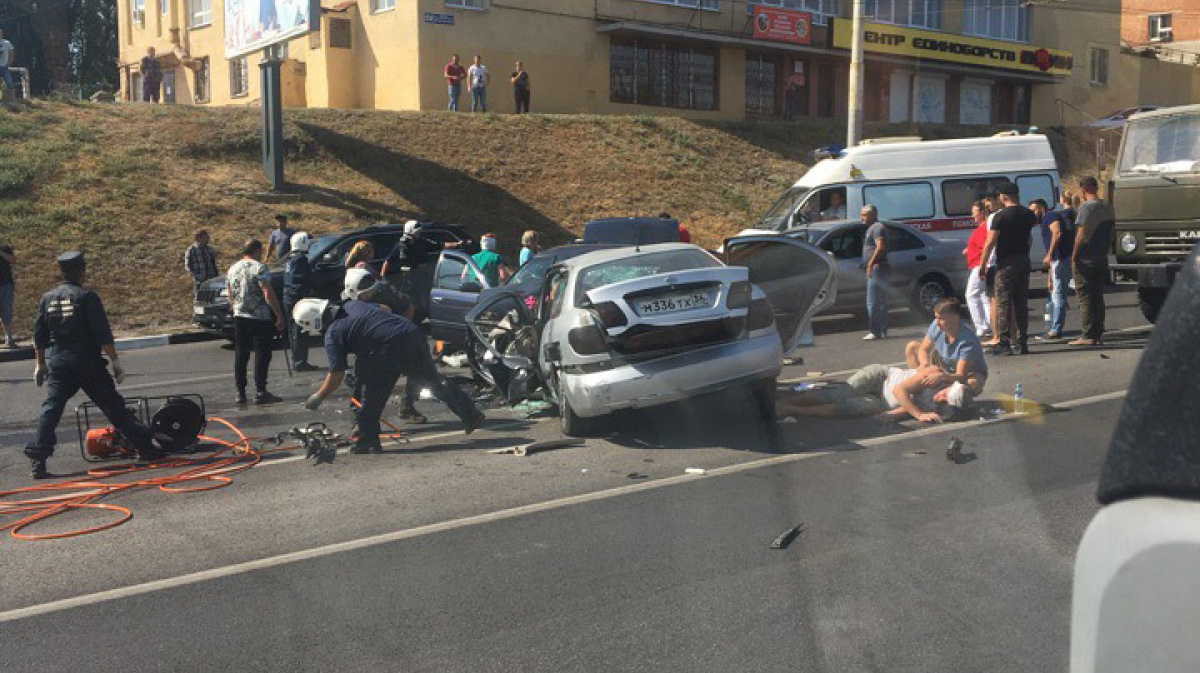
{"x":1022,"y":348}
{"x":411,"y":415}
{"x":37,"y":468}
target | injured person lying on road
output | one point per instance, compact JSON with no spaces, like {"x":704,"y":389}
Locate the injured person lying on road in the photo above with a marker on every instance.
{"x":944,"y":372}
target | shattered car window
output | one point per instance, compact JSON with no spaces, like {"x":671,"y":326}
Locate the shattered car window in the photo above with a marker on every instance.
{"x":620,"y":270}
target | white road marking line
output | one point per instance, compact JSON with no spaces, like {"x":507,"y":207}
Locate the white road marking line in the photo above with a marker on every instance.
{"x":825,"y":375}
{"x":489,"y":517}
{"x":176,"y":382}
{"x":414,"y":440}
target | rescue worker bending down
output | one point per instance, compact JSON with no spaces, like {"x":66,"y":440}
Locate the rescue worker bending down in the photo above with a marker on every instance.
{"x":386,"y":346}
{"x":69,"y":335}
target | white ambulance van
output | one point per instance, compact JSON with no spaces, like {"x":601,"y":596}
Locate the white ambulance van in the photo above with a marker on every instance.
{"x":927,"y":184}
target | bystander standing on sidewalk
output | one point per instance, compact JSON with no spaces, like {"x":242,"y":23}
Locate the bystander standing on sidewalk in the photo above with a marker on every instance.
{"x":1009,"y":236}
{"x":520,"y":82}
{"x":280,"y":242}
{"x":152,"y":76}
{"x":879,"y":272}
{"x":479,"y":79}
{"x":1093,"y":238}
{"x":978,"y":301}
{"x":257,"y":318}
{"x":200,"y":261}
{"x":8,"y":293}
{"x":7,"y":58}
{"x":454,"y":77}
{"x":1056,"y":234}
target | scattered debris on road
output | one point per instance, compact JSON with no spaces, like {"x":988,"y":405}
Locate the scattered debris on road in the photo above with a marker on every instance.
{"x":537,"y":447}
{"x":530,"y":409}
{"x":786,"y":537}
{"x":955,"y":455}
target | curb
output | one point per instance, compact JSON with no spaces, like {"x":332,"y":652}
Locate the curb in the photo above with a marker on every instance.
{"x":130,"y":344}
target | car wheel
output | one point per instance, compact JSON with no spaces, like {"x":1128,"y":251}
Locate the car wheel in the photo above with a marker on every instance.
{"x":573,"y":425}
{"x":929,"y":291}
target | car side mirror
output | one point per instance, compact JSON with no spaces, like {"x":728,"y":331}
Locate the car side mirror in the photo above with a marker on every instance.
{"x":470,"y":286}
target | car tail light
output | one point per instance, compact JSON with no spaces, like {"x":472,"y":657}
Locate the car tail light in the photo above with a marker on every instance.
{"x":739,"y":295}
{"x":761,"y":314}
{"x":587,"y":340}
{"x":610,"y":314}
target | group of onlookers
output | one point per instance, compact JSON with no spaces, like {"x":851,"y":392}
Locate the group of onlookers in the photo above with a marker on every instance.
{"x":479,"y":79}
{"x":1076,"y":238}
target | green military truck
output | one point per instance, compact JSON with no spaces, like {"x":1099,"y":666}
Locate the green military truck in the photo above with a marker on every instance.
{"x":1155,"y":190}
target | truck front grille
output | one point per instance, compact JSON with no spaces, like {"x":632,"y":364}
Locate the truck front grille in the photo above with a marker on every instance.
{"x":1167,"y":244}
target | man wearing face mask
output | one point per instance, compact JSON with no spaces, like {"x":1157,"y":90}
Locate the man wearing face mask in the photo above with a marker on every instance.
{"x":489,"y":262}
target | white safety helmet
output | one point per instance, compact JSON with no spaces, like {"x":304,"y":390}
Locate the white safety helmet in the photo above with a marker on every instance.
{"x":301,"y":241}
{"x":410,"y":227}
{"x":357,"y":282}
{"x":310,"y":314}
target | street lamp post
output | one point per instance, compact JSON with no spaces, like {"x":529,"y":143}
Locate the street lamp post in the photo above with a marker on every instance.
{"x":855,"y":117}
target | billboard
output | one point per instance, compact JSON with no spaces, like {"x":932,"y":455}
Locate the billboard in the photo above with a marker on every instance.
{"x":252,"y":25}
{"x":782,"y":25}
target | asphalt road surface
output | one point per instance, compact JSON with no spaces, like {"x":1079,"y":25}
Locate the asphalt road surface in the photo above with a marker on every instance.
{"x":439,"y":556}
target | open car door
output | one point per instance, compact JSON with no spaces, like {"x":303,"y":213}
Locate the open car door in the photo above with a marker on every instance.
{"x":457,"y":283}
{"x":502,"y":344}
{"x":798,"y":278}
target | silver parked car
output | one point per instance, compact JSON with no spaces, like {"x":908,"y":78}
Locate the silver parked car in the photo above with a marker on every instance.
{"x":631,"y":328}
{"x":925,"y":270}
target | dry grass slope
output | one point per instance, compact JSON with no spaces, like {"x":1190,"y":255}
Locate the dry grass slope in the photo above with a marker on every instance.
{"x":129,"y":184}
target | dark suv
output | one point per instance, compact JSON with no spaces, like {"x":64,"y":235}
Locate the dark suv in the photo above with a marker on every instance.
{"x":327,"y":255}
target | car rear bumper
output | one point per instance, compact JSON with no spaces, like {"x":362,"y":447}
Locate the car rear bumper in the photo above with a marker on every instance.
{"x":675,"y":377}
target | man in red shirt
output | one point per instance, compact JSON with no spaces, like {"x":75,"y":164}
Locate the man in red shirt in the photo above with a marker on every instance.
{"x":454,"y":76}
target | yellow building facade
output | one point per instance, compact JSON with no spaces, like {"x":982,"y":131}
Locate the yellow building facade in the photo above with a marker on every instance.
{"x":938,"y":61}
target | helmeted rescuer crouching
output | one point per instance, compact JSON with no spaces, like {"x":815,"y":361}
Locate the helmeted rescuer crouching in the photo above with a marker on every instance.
{"x":71,"y":338}
{"x":387,"y":345}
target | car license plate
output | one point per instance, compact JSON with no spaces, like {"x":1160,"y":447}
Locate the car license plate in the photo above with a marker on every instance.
{"x":198,"y":310}
{"x":674,"y":303}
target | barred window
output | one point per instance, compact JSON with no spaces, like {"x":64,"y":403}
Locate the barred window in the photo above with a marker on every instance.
{"x":917,"y":13}
{"x":649,"y":72}
{"x":760,"y":84}
{"x":239,"y":77}
{"x":1000,"y":19}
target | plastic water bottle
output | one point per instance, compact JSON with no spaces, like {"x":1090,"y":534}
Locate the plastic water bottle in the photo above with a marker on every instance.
{"x":1019,"y":400}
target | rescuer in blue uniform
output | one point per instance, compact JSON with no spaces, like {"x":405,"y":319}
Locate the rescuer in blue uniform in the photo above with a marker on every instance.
{"x":386,"y":346}
{"x":71,"y":337}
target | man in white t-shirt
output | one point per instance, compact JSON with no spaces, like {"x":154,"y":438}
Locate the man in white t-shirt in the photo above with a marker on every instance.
{"x":479,"y":78}
{"x":7,"y":54}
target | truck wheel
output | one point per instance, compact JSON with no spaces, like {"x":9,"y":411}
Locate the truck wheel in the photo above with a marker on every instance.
{"x":1151,"y":300}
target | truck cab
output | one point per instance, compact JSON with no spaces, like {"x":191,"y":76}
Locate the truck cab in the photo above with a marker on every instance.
{"x":1155,"y":190}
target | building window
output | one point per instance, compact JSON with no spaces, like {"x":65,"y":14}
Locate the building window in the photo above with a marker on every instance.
{"x":1000,"y":19}
{"x":164,"y":7}
{"x":690,"y":4}
{"x":203,"y":79}
{"x":239,"y":77}
{"x":1099,"y":69}
{"x":918,"y":13}
{"x":467,"y":4}
{"x":760,"y":84}
{"x":1160,"y":27}
{"x":657,"y":73}
{"x":199,"y":13}
{"x":137,"y":12}
{"x":822,"y":10}
{"x":382,"y":5}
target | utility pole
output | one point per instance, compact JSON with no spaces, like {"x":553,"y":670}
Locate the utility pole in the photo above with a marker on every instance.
{"x":855,"y":117}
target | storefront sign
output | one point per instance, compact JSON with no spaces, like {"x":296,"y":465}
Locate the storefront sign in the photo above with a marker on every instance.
{"x":782,"y":25}
{"x":925,"y":44}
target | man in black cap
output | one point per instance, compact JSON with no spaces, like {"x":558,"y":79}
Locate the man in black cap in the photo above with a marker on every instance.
{"x":1010,"y":236}
{"x":72,"y":325}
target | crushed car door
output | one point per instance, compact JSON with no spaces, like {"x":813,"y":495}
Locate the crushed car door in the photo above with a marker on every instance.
{"x":502,"y":344}
{"x":457,"y":283}
{"x":798,"y":278}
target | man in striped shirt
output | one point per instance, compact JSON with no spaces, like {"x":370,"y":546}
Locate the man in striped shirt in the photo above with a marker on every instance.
{"x":200,"y":261}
